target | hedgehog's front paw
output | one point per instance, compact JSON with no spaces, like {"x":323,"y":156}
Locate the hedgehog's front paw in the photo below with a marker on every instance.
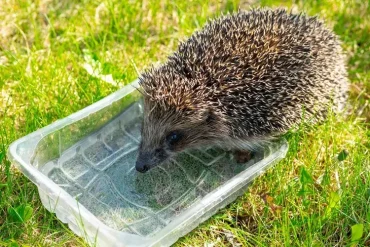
{"x":242,"y":156}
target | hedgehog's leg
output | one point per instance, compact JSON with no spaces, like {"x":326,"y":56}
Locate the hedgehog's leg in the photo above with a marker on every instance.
{"x":242,"y":156}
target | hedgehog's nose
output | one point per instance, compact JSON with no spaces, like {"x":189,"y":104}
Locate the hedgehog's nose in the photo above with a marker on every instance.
{"x":142,"y":168}
{"x":142,"y":164}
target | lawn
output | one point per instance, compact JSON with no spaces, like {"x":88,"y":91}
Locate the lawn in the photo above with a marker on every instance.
{"x":318,"y":196}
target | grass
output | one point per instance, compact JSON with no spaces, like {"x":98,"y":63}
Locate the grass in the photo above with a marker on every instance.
{"x":309,"y":199}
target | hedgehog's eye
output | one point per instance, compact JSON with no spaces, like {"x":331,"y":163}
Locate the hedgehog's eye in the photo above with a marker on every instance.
{"x":173,"y":137}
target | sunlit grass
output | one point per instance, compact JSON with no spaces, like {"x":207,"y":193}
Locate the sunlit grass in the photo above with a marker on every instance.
{"x":309,"y":199}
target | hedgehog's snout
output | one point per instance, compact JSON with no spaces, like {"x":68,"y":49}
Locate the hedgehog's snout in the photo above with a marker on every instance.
{"x":143,"y":162}
{"x":147,"y":160}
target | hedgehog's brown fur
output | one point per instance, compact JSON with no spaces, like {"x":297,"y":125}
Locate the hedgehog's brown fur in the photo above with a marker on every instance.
{"x":242,"y":78}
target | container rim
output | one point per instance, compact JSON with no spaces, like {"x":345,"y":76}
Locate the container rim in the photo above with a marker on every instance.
{"x":216,"y":197}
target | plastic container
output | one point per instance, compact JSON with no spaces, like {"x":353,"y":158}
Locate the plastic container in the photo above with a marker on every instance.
{"x":84,"y":168}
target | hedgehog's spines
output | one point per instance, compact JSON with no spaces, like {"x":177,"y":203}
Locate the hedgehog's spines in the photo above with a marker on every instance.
{"x":254,"y":68}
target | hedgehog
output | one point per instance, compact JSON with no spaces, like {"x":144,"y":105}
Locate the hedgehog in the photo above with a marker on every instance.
{"x":242,"y":80}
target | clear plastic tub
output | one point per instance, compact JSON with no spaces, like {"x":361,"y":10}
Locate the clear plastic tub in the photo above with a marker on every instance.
{"x":84,"y":168}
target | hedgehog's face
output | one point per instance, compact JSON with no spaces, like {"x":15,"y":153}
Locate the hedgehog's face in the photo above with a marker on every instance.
{"x":167,"y":132}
